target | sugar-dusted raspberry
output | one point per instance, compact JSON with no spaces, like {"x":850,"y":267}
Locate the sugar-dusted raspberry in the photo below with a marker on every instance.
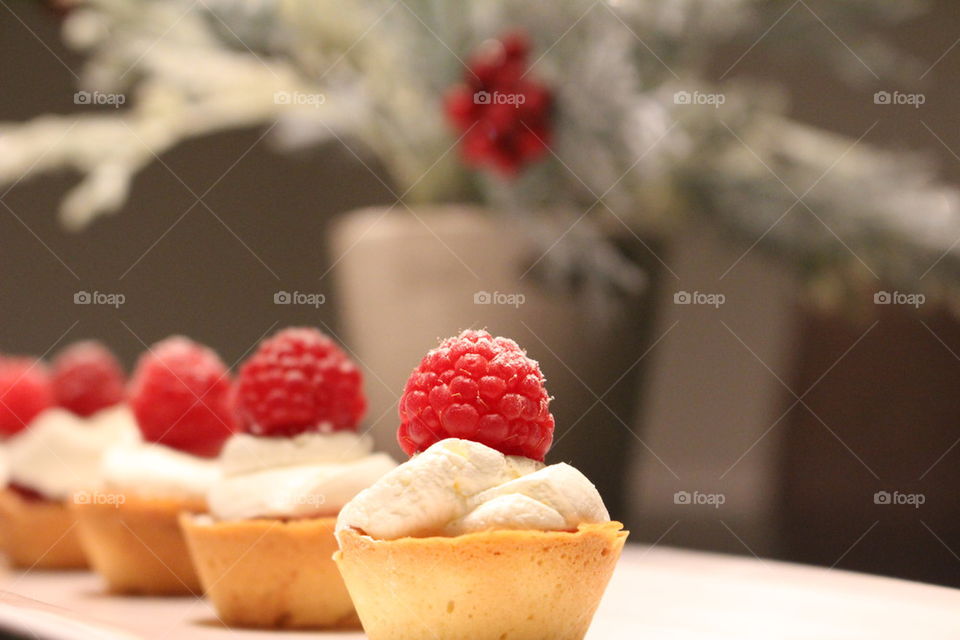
{"x":299,"y":380}
{"x":180,"y":395}
{"x":480,"y":388}
{"x":25,"y":391}
{"x":87,"y":378}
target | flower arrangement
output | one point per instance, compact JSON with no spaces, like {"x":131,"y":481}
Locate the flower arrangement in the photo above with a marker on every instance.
{"x":596,"y":112}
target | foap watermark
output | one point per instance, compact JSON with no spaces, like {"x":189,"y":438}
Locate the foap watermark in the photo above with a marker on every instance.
{"x":311,"y":500}
{"x":99,"y":297}
{"x":898,"y":297}
{"x":499,"y":97}
{"x":699,"y":98}
{"x":99,"y":498}
{"x":498,"y":297}
{"x":299,"y":98}
{"x":912,"y":499}
{"x":300,"y":298}
{"x":698,"y":297}
{"x":100,"y":98}
{"x":710,"y":499}
{"x":898,"y":97}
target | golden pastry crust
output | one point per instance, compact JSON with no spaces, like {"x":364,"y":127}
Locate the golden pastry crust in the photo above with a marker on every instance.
{"x":271,"y":573}
{"x":494,"y":585}
{"x":137,"y":546}
{"x":39,"y":534}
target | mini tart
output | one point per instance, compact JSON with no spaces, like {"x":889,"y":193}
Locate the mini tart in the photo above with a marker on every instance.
{"x":271,"y":573}
{"x":38,"y":533}
{"x":492,"y":585}
{"x":137,"y":546}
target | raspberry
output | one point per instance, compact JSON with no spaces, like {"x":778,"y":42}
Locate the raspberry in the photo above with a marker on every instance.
{"x":25,"y":391}
{"x":87,"y":378}
{"x":299,"y":380}
{"x":180,"y":395}
{"x":480,"y":388}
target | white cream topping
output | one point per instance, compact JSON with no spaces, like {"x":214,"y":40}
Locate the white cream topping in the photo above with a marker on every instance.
{"x":560,"y":487}
{"x":61,"y":452}
{"x":156,"y":470}
{"x":459,"y":486}
{"x":309,"y":475}
{"x":244,"y":453}
{"x":512,"y":511}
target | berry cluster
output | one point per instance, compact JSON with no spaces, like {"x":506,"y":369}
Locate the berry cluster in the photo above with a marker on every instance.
{"x":473,"y":386}
{"x":504,"y":114}
{"x":182,"y":395}
{"x":85,"y":378}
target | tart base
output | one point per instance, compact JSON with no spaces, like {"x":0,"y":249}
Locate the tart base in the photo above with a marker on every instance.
{"x":39,"y":534}
{"x":271,"y":573}
{"x":137,"y":546}
{"x":494,"y":585}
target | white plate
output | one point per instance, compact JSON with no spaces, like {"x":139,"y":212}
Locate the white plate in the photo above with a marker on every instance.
{"x":655,"y":593}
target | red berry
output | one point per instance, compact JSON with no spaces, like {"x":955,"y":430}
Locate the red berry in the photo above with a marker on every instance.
{"x":505,"y":115}
{"x":299,"y":380}
{"x":480,"y":388}
{"x":25,"y":391}
{"x":87,"y":378}
{"x":180,"y":395}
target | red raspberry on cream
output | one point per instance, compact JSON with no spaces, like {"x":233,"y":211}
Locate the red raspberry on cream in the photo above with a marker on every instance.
{"x":477,"y":387}
{"x":299,"y":381}
{"x":180,"y":395}
{"x":87,"y":378}
{"x":25,"y":391}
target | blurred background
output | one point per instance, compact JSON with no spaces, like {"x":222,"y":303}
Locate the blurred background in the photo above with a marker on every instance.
{"x":728,"y":231}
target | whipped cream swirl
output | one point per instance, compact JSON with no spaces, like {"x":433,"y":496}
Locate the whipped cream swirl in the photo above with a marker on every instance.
{"x":309,"y":475}
{"x":61,"y":452}
{"x":157,"y":471}
{"x":460,"y":486}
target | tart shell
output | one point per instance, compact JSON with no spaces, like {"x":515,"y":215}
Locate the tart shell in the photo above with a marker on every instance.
{"x":39,"y":534}
{"x":494,"y":585}
{"x":267,"y":573}
{"x":136,"y":544}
